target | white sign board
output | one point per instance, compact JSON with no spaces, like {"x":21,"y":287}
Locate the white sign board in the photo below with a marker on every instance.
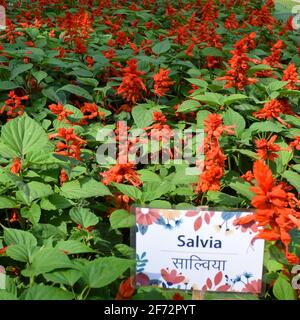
{"x":204,"y":250}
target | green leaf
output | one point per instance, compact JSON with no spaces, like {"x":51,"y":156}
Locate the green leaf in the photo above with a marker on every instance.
{"x":88,"y":81}
{"x":44,"y":292}
{"x":33,"y":214}
{"x":242,"y":187}
{"x":15,"y":236}
{"x":266,"y":126}
{"x":223,"y":198}
{"x":84,"y":188}
{"x":43,"y":231}
{"x":4,"y":295}
{"x":211,"y":51}
{"x":19,"y":69}
{"x":201,"y":117}
{"x":121,"y":219}
{"x":39,"y":75}
{"x":189,"y":106}
{"x":234,"y":98}
{"x":293,"y":178}
{"x":259,"y":67}
{"x":198,"y":82}
{"x":21,"y":252}
{"x":233,"y":118}
{"x":42,"y":157}
{"x":35,"y":190}
{"x":247,"y":153}
{"x":148,"y":176}
{"x":283,"y":290}
{"x":162,"y":204}
{"x":73,"y":247}
{"x":142,"y":116}
{"x":55,"y":201}
{"x":161,"y":47}
{"x":67,"y":277}
{"x":8,"y":85}
{"x":7,"y":203}
{"x":79,"y":91}
{"x":22,"y":135}
{"x":214,"y":99}
{"x":131,"y":191}
{"x":276,"y":85}
{"x":103,"y":271}
{"x":284,"y":157}
{"x":46,"y":260}
{"x":273,"y":265}
{"x":83,"y":216}
{"x":296,"y":167}
{"x":155,"y":190}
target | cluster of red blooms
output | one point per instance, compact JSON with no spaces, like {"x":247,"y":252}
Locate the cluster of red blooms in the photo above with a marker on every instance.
{"x":121,"y":173}
{"x":132,"y":86}
{"x":266,"y":149}
{"x":62,"y":114}
{"x":236,"y":77}
{"x":231,"y":23}
{"x":13,"y":106}
{"x":215,"y":158}
{"x":159,"y":131}
{"x":89,"y":111}
{"x":277,"y":210}
{"x":162,"y":82}
{"x":273,"y":109}
{"x":262,"y":18}
{"x":273,"y":59}
{"x":78,"y":29}
{"x":71,"y":145}
{"x":10,"y":31}
{"x":290,"y":74}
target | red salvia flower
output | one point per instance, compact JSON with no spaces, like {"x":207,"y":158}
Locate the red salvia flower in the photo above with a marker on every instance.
{"x":63,"y":177}
{"x":132,"y":85}
{"x":13,"y":106}
{"x":159,"y":117}
{"x":16,"y":166}
{"x":126,"y":289}
{"x":62,"y":114}
{"x":71,"y":145}
{"x":266,"y":149}
{"x":121,"y":173}
{"x":273,"y":109}
{"x":162,"y":82}
{"x":90,"y":61}
{"x":248,"y":176}
{"x":3,"y":250}
{"x":277,"y":211}
{"x":14,"y":216}
{"x":90,"y":111}
{"x":214,"y":161}
{"x":295,"y":144}
{"x":236,"y":77}
{"x":274,"y":59}
{"x":290,"y":74}
{"x":231,"y":23}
